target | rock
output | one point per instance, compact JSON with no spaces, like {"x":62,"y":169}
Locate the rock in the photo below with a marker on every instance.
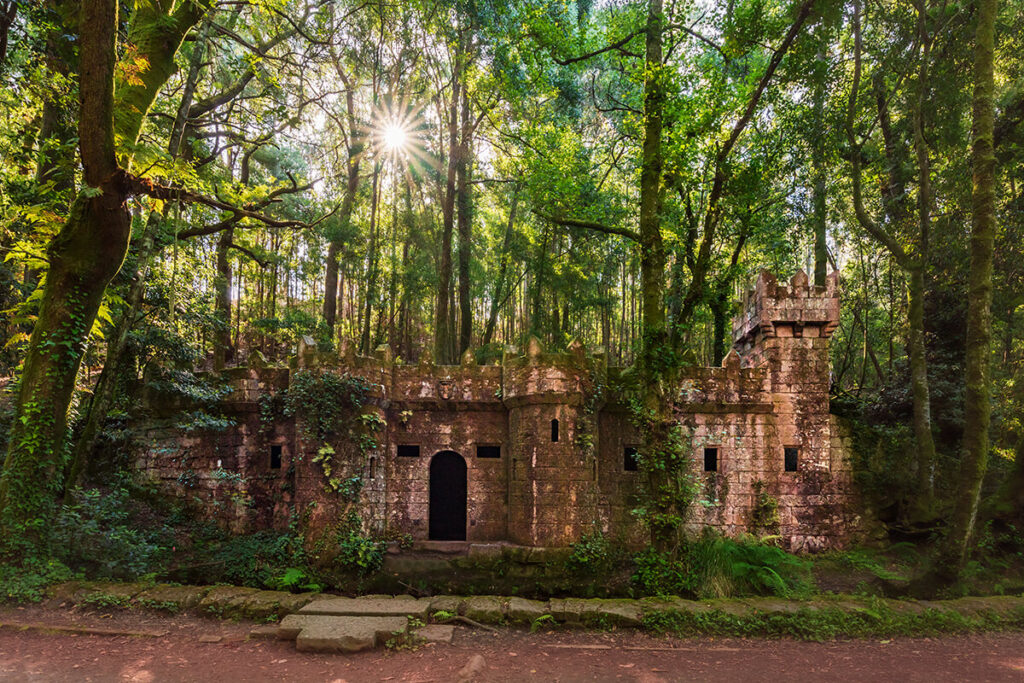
{"x":446,"y":603}
{"x":1001,"y":605}
{"x":371,"y":607}
{"x":223,"y":601}
{"x":349,"y":634}
{"x":485,"y":609}
{"x":567,"y":611}
{"x":732,"y":607}
{"x":473,"y":669}
{"x":435,"y":633}
{"x":293,"y":602}
{"x":521,"y":611}
{"x":611,"y":613}
{"x":172,"y":598}
{"x":672,"y":604}
{"x":775,"y":605}
{"x":264,"y":632}
{"x":259,"y":605}
{"x":210,"y":639}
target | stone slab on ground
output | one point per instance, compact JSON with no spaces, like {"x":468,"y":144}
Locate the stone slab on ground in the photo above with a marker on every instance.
{"x":522,"y":611}
{"x":265,"y":632}
{"x":777,"y":605}
{"x":567,"y":610}
{"x":222,"y":600}
{"x":1002,"y":605}
{"x":484,"y":608}
{"x":446,"y":603}
{"x":349,"y":634}
{"x":611,"y":612}
{"x":672,"y":604}
{"x":172,"y":598}
{"x":435,"y":633}
{"x":292,"y":625}
{"x":378,"y":607}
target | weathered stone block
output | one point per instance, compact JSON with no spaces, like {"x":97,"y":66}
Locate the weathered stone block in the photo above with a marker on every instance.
{"x":521,"y":611}
{"x":485,"y":609}
{"x":374,"y":607}
{"x":349,"y":634}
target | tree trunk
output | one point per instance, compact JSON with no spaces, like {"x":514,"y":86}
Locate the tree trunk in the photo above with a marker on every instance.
{"x":919,"y":388}
{"x":914,"y":265}
{"x":355,"y":153}
{"x":113,"y":364}
{"x":496,"y":298}
{"x":818,"y":170}
{"x":222,"y":353}
{"x":85,"y":255}
{"x":465,"y":201}
{"x":977,"y":406}
{"x":442,"y":322}
{"x":660,"y":462}
{"x":371,"y":263}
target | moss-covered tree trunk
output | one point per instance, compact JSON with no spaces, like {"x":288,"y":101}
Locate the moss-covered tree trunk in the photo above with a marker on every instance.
{"x":977,"y":406}
{"x":922,"y":404}
{"x":84,"y":257}
{"x":661,"y":462}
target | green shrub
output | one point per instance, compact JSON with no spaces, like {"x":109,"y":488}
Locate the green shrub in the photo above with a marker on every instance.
{"x":712,"y":567}
{"x":28,"y":582}
{"x":259,"y":560}
{"x":592,"y":554}
{"x":99,"y":534}
{"x":357,"y":553}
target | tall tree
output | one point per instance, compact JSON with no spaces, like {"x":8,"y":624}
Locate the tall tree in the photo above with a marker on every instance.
{"x":977,"y":398}
{"x":87,"y":252}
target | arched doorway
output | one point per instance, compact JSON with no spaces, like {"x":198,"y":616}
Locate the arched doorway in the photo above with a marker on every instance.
{"x":447,"y":497}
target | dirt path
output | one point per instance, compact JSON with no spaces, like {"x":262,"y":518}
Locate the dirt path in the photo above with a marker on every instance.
{"x":180,"y":655}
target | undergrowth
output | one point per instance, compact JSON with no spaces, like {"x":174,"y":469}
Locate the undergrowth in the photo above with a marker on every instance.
{"x":713,"y":566}
{"x":873,"y":621}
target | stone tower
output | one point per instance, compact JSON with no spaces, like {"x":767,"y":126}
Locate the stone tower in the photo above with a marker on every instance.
{"x":552,"y":468}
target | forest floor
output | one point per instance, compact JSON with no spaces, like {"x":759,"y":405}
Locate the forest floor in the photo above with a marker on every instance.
{"x":189,"y":648}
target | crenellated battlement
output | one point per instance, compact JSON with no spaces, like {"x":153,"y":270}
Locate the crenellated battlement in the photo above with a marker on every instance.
{"x":796,"y":309}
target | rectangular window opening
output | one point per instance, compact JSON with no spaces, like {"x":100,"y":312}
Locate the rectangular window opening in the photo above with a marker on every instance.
{"x":406,"y":450}
{"x":275,"y":457}
{"x":554,"y":431}
{"x":488,"y":451}
{"x":711,"y":459}
{"x":373,"y":468}
{"x":630,"y":462}
{"x":792,"y":454}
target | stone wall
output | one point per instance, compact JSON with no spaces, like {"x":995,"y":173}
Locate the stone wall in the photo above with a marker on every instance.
{"x":547,"y":457}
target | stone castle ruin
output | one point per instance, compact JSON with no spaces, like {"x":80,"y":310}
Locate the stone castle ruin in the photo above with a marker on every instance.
{"x":535,"y":450}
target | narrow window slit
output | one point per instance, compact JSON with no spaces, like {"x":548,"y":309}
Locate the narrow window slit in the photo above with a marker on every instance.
{"x":711,"y":459}
{"x":630,"y":462}
{"x":792,"y":455}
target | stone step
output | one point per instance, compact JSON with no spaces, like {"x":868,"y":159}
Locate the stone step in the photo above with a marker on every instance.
{"x":318,"y":633}
{"x":434,"y":633}
{"x":373,"y":607}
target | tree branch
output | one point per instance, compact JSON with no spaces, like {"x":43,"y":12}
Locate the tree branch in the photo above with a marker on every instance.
{"x":591,"y":225}
{"x":607,"y":48}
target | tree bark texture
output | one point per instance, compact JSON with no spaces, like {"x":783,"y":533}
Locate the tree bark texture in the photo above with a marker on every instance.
{"x":977,"y":396}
